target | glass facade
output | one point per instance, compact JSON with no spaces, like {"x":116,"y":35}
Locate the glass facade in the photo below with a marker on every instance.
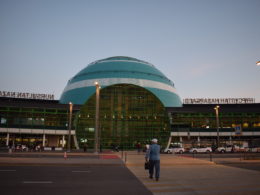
{"x":194,"y":123}
{"x":32,"y":118}
{"x":128,"y":114}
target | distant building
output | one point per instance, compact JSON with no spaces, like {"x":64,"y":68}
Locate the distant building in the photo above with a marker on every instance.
{"x":195,"y":124}
{"x":137,"y":103}
{"x":133,"y":100}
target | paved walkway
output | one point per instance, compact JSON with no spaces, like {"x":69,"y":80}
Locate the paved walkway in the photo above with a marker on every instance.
{"x":179,"y":175}
{"x":185,"y":176}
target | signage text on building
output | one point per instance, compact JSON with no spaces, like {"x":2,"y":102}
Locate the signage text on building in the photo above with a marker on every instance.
{"x":218,"y":100}
{"x":26,"y":95}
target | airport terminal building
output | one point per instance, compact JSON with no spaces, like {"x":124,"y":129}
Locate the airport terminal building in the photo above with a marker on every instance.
{"x":136,"y":103}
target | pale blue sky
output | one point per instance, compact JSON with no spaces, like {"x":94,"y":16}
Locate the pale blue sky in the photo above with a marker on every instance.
{"x":208,"y":48}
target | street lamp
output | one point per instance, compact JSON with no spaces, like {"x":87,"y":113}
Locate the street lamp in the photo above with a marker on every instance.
{"x":97,"y":143}
{"x":217,"y":120}
{"x":70,"y":118}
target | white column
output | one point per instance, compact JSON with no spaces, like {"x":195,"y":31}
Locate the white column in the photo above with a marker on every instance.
{"x":43,"y":140}
{"x":181,"y":139}
{"x":63,"y":141}
{"x":230,"y":140}
{"x":169,"y":142}
{"x":198,"y":139}
{"x":7,"y":139}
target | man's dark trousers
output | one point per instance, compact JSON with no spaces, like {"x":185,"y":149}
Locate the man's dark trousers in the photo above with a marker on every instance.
{"x":154,"y":164}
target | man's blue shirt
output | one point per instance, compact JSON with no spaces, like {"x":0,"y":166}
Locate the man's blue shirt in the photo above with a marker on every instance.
{"x":153,"y":152}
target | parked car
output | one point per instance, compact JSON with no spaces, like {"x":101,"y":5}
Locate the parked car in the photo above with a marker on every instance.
{"x":241,"y":149}
{"x":228,"y":148}
{"x":174,"y":149}
{"x":254,"y":149}
{"x":20,"y":147}
{"x":200,"y":149}
{"x":232,"y":148}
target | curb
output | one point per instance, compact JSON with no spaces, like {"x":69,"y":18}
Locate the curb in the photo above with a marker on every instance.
{"x":170,"y":164}
{"x":224,"y":163}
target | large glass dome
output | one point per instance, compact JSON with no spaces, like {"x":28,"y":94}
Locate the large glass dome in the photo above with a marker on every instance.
{"x":120,"y":70}
{"x":128,"y":115}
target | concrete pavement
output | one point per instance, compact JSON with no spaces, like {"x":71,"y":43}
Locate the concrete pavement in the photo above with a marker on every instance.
{"x":184,"y":176}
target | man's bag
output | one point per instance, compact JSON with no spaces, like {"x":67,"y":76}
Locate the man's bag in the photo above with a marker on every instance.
{"x":146,"y":165}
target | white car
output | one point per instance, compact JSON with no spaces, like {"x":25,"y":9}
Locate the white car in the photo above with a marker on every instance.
{"x":255,"y":149}
{"x":21,"y":147}
{"x":228,"y":148}
{"x":174,"y":149}
{"x":241,"y":149}
{"x":201,"y":150}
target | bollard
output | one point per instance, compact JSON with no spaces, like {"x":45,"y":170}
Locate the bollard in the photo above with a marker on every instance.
{"x":10,"y":151}
{"x":125,"y":156}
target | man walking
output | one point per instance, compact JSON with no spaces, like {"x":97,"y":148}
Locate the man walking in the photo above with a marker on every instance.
{"x":153,"y":155}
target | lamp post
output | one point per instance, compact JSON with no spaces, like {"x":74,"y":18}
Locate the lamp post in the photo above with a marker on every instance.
{"x":217,"y":120}
{"x":70,"y":119}
{"x":97,"y":143}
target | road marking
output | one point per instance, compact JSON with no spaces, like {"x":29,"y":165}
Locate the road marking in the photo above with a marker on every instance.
{"x":37,"y":182}
{"x":81,"y":171}
{"x":7,"y":170}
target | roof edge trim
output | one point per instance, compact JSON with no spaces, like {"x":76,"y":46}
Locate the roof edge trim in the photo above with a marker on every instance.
{"x":112,"y":81}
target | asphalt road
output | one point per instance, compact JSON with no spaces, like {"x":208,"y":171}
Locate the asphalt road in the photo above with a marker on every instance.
{"x":76,"y":180}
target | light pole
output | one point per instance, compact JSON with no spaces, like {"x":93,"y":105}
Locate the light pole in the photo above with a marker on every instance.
{"x":70,"y":118}
{"x":97,"y":143}
{"x":217,"y":120}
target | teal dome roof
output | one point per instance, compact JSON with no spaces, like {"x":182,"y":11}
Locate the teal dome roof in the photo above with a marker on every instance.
{"x":120,"y":70}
